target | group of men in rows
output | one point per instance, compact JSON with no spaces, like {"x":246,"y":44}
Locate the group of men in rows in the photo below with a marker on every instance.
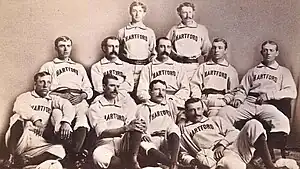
{"x":184,"y":108}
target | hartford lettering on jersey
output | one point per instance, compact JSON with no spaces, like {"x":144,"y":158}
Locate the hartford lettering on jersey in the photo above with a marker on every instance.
{"x":41,"y":108}
{"x":114,"y":116}
{"x":265,"y":76}
{"x":164,"y":72}
{"x":66,"y":69}
{"x":136,"y":36}
{"x":216,"y":73}
{"x":186,"y":36}
{"x":114,"y":72}
{"x":201,"y":128}
{"x":159,"y":114}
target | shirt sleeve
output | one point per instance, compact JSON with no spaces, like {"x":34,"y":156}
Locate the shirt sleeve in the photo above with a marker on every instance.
{"x":152,"y":42}
{"x":143,"y":84}
{"x":184,"y":88}
{"x":22,"y":107}
{"x":171,"y":34}
{"x":244,"y":87}
{"x":129,"y":106}
{"x":206,"y":42}
{"x":96,"y":118}
{"x":143,"y":112}
{"x":128,"y":84}
{"x":196,"y":82}
{"x":86,"y":84}
{"x":65,"y":106}
{"x":97,"y":76}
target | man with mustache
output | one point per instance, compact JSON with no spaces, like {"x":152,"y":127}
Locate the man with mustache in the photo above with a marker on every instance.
{"x":164,"y":68}
{"x":190,"y":40}
{"x":119,"y":133}
{"x":215,"y":79}
{"x":25,"y":137}
{"x":111,"y":64}
{"x":70,"y":81}
{"x":161,"y":139}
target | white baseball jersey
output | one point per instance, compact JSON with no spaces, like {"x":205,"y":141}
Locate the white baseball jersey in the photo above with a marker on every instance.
{"x":139,"y":41}
{"x":158,"y":117}
{"x":220,"y":77}
{"x":105,"y":115}
{"x":274,"y":80}
{"x":68,"y":74}
{"x":123,"y":71}
{"x":191,"y":40}
{"x":169,"y":71}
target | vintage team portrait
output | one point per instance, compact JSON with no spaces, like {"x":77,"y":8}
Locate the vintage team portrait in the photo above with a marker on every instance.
{"x":161,"y":84}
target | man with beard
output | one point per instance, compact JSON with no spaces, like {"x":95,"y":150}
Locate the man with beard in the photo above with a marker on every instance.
{"x":112,"y":115}
{"x":215,"y":79}
{"x":25,"y":136}
{"x":70,"y":81}
{"x":164,"y":68}
{"x":161,"y":139}
{"x":190,"y":40}
{"x":111,"y":64}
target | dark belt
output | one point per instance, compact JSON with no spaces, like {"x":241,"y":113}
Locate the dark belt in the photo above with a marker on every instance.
{"x":184,"y":59}
{"x":67,"y":90}
{"x":253,"y":94}
{"x":213,"y":91}
{"x":134,"y":61}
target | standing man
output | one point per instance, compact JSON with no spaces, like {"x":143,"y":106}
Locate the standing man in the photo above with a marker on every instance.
{"x":70,"y":81}
{"x":215,"y":79}
{"x":190,"y":40}
{"x":25,"y":136}
{"x":162,"y":134}
{"x":111,"y":64}
{"x":137,"y":40}
{"x":265,"y":82}
{"x":230,"y":148}
{"x":119,"y":133}
{"x":164,"y":68}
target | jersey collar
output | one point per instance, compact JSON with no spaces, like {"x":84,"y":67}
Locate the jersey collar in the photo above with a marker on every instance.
{"x":223,"y":63}
{"x":137,"y":25}
{"x":168,"y":62}
{"x":274,"y":66}
{"x":151,"y":104}
{"x":192,"y":25}
{"x":106,"y":61}
{"x":34,"y":94}
{"x":104,"y":102}
{"x":57,"y":60}
{"x":204,"y":119}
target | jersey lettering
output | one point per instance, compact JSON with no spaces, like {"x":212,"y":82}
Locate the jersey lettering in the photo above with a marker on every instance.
{"x":265,"y":76}
{"x":136,"y":36}
{"x":114,"y":72}
{"x":114,"y":116}
{"x":163,"y":72}
{"x":200,"y":128}
{"x":160,"y":113}
{"x":216,"y":73}
{"x":186,"y":36}
{"x":66,"y":69}
{"x":41,"y":108}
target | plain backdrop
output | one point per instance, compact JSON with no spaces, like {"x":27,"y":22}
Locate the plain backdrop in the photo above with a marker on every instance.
{"x":28,"y":29}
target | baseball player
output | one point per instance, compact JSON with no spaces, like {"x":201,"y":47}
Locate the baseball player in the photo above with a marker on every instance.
{"x":190,"y":40}
{"x":265,"y":82}
{"x":160,"y":115}
{"x":164,"y":68}
{"x":25,"y":136}
{"x":231,"y":149}
{"x":215,"y":79}
{"x":111,"y":64}
{"x":137,"y":40}
{"x":70,"y":81}
{"x":112,"y":115}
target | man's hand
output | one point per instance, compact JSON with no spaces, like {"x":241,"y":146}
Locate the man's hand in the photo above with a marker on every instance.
{"x":136,"y":125}
{"x":75,"y":99}
{"x":219,"y":152}
{"x":262,"y":98}
{"x":65,"y":130}
{"x":39,"y":128}
{"x":198,"y":165}
{"x":236,"y":103}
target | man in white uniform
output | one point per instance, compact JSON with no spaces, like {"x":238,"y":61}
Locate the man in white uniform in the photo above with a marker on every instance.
{"x":190,"y":40}
{"x":111,"y":64}
{"x":215,"y":79}
{"x":119,"y":133}
{"x":70,"y":81}
{"x":231,"y":148}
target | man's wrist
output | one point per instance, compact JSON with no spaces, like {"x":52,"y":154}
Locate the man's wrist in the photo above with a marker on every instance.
{"x":64,"y":122}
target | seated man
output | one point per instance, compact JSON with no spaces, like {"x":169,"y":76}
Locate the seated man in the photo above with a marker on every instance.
{"x":164,"y":68}
{"x":112,"y":115}
{"x":111,"y":64}
{"x":70,"y":81}
{"x":160,"y":116}
{"x":265,"y":82}
{"x":231,"y":149}
{"x":214,"y":80}
{"x":25,"y":136}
